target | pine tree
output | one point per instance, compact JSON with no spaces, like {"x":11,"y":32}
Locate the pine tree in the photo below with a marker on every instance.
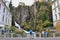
{"x":10,"y":6}
{"x":12,"y":11}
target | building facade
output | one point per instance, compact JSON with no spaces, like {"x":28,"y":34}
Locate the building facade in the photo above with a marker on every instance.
{"x":5,"y":15}
{"x":56,"y":13}
{"x":44,"y":0}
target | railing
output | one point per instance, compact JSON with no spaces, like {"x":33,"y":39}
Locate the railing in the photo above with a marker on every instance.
{"x":28,"y":35}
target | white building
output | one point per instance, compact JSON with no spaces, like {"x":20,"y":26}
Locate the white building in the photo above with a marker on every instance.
{"x":56,"y":12}
{"x":5,"y":15}
{"x":45,"y":0}
{"x":7,"y":3}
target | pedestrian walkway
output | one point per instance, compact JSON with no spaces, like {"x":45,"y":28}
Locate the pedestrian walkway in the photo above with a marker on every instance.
{"x":18,"y":38}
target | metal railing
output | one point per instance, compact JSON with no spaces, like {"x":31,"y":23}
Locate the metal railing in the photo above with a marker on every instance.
{"x":28,"y":35}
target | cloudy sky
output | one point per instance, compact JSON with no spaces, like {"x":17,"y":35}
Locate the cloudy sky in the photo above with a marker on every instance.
{"x":27,"y":2}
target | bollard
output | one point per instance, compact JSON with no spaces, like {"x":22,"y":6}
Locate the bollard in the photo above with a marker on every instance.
{"x":40,"y":35}
{"x":11,"y":35}
{"x":4,"y":35}
{"x":34,"y":35}
{"x":28,"y":35}
{"x":53,"y":34}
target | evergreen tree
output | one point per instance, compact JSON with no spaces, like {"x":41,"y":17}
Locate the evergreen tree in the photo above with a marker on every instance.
{"x":12,"y":11}
{"x":10,"y":6}
{"x":43,"y":15}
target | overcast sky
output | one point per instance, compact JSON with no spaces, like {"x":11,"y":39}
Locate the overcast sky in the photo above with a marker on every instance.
{"x":27,"y":2}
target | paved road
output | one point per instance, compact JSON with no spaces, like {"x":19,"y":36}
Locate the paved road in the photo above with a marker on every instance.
{"x":56,"y":38}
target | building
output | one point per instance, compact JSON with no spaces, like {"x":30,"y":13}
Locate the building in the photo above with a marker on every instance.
{"x":7,"y":2}
{"x":5,"y":15}
{"x":45,"y":0}
{"x":41,"y":0}
{"x":56,"y":13}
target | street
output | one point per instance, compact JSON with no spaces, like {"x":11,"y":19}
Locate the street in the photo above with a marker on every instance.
{"x":53,"y":38}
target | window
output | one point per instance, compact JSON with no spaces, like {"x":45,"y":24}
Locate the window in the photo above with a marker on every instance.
{"x":57,"y":2}
{"x":3,"y":18}
{"x":55,"y":10}
{"x":59,"y":8}
{"x":6,"y":20}
{"x":56,"y":16}
{"x":6,"y":16}
{"x":4,"y":10}
{"x":54,"y":0}
{"x":0,"y":6}
{"x":59,"y":15}
{"x":54,"y":4}
{"x":6,"y":13}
